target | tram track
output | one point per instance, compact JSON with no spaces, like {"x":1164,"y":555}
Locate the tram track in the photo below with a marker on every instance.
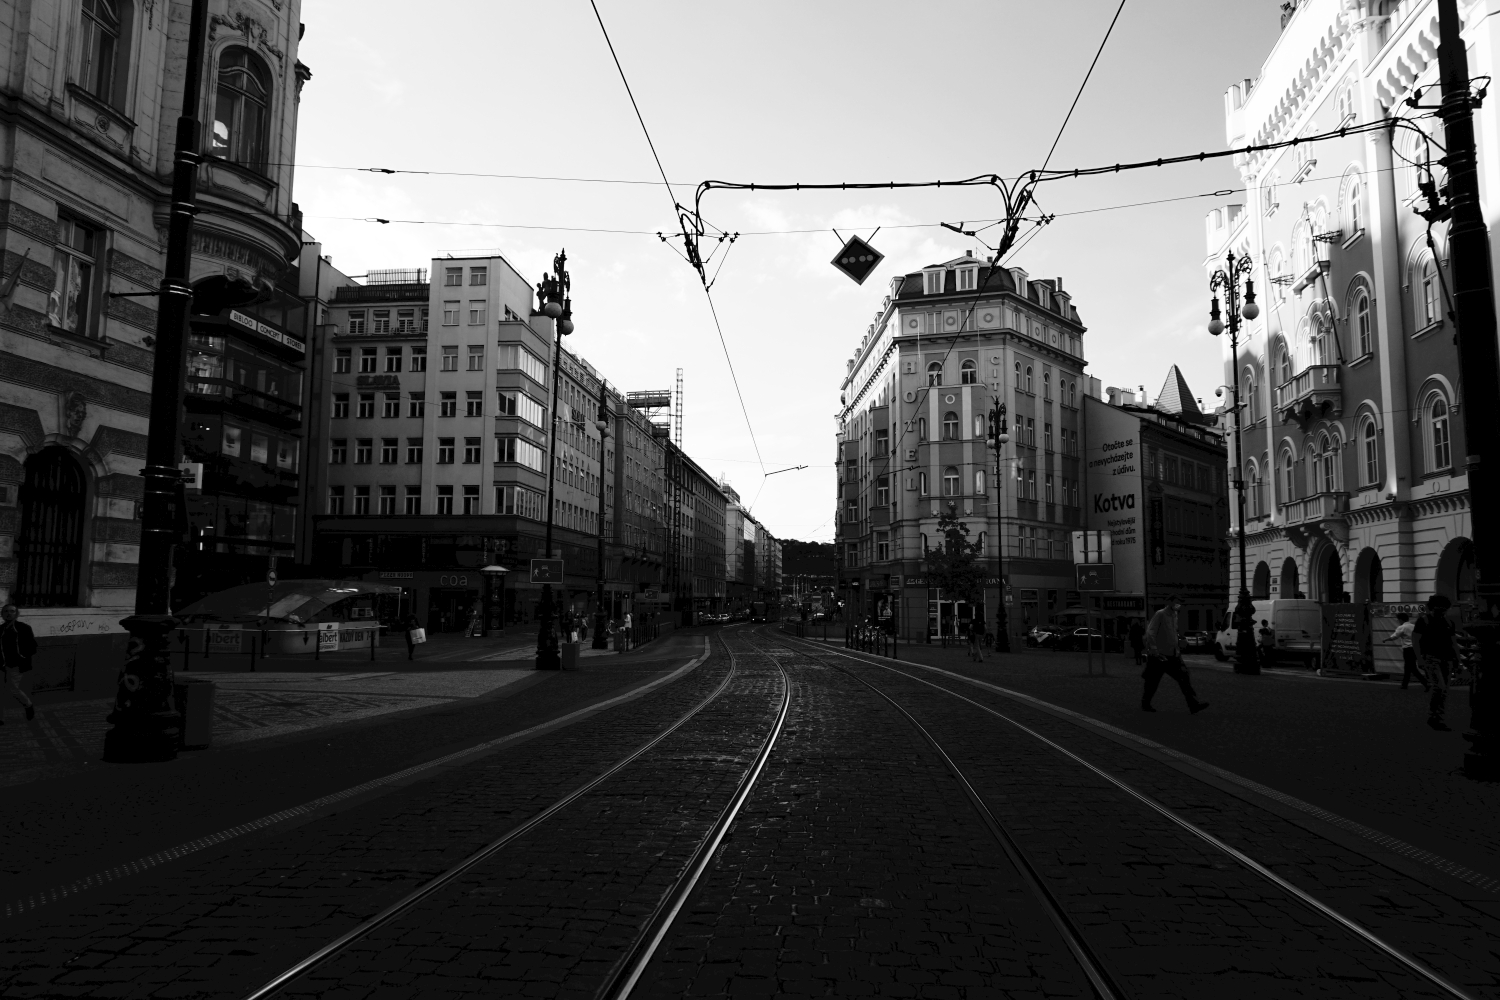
{"x":1243,"y":860}
{"x":627,"y":969}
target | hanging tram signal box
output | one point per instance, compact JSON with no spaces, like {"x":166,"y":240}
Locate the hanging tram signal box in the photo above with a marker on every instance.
{"x":858,"y":259}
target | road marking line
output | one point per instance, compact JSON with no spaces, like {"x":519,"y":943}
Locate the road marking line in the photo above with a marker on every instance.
{"x":56,"y":894}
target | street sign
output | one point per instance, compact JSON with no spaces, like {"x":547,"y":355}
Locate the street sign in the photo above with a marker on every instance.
{"x":1095,"y":577}
{"x":546,"y":571}
{"x":271,"y":577}
{"x":857,"y":259}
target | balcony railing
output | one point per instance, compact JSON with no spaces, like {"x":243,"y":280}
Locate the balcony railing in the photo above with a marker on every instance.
{"x":1311,"y":394}
{"x":1319,"y":507}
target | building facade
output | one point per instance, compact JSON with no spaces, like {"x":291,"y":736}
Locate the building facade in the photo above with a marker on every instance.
{"x":1353,"y":442}
{"x":948,"y":342}
{"x":90,"y":96}
{"x":697,"y":516}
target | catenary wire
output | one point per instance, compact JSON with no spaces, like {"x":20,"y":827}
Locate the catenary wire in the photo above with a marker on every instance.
{"x":1074,"y":106}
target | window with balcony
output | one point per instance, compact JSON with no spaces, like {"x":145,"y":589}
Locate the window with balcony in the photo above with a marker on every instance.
{"x":340,"y":405}
{"x":356,"y":322}
{"x":445,"y":451}
{"x":950,"y":426}
{"x":406,"y":321}
{"x":935,"y":373}
{"x":1288,"y":477}
{"x":366,"y":406}
{"x":380,"y":322}
{"x":413,"y":451}
{"x":413,"y":500}
{"x":393,"y":359}
{"x":445,"y":500}
{"x":419,"y":359}
{"x":969,"y":373}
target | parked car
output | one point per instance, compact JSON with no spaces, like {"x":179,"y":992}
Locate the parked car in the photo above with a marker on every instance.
{"x":1081,"y":638}
{"x":1298,"y":624}
{"x":1197,"y":642}
{"x":1043,"y":636}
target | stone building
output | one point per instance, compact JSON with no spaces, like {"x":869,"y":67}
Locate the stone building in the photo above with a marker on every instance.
{"x":91,"y":93}
{"x":1354,"y":444}
{"x":947,"y":342}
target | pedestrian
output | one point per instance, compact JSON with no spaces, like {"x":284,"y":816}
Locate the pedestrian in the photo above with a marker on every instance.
{"x":1138,"y":640}
{"x":17,"y":647}
{"x":976,"y":637}
{"x":629,"y":631}
{"x":1402,"y":637}
{"x":1433,"y":636}
{"x":1267,"y":644}
{"x":409,"y":624}
{"x":1164,"y":656}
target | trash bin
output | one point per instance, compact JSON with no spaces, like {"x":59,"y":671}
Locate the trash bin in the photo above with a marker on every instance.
{"x":194,"y":697}
{"x":570,"y":655}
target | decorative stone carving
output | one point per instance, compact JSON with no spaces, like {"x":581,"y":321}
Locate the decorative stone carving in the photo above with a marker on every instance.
{"x":74,"y":410}
{"x":250,"y":27}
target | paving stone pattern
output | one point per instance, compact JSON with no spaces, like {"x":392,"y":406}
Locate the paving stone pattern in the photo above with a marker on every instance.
{"x":1175,"y":916}
{"x":858,"y":868}
{"x":227,"y":920}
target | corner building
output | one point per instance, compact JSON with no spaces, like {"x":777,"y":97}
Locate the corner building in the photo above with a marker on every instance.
{"x":1354,"y":447}
{"x":947,"y":342}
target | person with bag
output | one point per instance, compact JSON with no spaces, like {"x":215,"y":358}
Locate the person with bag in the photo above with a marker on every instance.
{"x":1433,"y":636}
{"x":1164,"y":656}
{"x":1402,"y":635}
{"x":415,"y":635}
{"x":17,"y":647}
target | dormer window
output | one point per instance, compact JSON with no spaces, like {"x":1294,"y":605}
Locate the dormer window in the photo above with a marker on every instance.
{"x":968,"y":278}
{"x":932,"y":281}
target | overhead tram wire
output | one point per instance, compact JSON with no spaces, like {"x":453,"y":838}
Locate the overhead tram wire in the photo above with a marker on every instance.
{"x":1074,"y":106}
{"x":690,"y":243}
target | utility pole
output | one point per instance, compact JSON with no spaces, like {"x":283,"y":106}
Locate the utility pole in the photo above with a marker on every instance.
{"x":1479,"y":382}
{"x":145,"y":725}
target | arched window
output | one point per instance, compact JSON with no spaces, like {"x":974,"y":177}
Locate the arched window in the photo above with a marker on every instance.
{"x":1320,"y":350}
{"x":1072,"y":393}
{"x":1439,"y":438}
{"x":921,"y":428}
{"x":102,"y":43}
{"x":1429,"y":308}
{"x":979,"y":482}
{"x":49,"y":547}
{"x":241,"y":110}
{"x":1356,"y":207}
{"x":1018,"y":374}
{"x":1252,"y":491}
{"x":1288,"y":477}
{"x":1247,"y":395}
{"x":950,"y":482}
{"x":935,"y":373}
{"x":1046,"y":385}
{"x":1284,"y":363}
{"x":979,"y":428}
{"x":969,"y":374}
{"x":1361,"y":318}
{"x":1028,"y":378}
{"x":1327,"y":471}
{"x":1370,"y":445}
{"x":950,"y":426}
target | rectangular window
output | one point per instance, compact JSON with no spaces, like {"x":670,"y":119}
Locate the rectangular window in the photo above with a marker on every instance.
{"x":406,"y":321}
{"x":476,"y":357}
{"x":453,"y":276}
{"x":450,"y":312}
{"x":506,"y":403}
{"x":356,"y":322}
{"x":335,"y":499}
{"x":338,"y":451}
{"x":474,"y":404}
{"x":448,"y":404}
{"x":419,"y":359}
{"x":445,"y":451}
{"x":1031,"y":485}
{"x":479,"y":275}
{"x":1171,"y":469}
{"x":1031,"y":432}
{"x":445,"y":500}
{"x":882,"y":442}
{"x":471,"y":451}
{"x":69,"y":307}
{"x":366,"y":360}
{"x":424,"y":321}
{"x":342,"y":360}
{"x":387,"y":500}
{"x":361,"y":500}
{"x":413,"y":451}
{"x":471,"y":499}
{"x":1047,"y":437}
{"x":1050,"y":498}
{"x":520,"y":451}
{"x":366,"y":406}
{"x":882,"y":546}
{"x":393,"y":359}
{"x":514,"y":357}
{"x":389,"y":448}
{"x":883,"y":491}
{"x":417,"y":405}
{"x":381,"y":322}
{"x":414,"y":500}
{"x":340,"y":405}
{"x":391,"y":405}
{"x":450,"y":358}
{"x":363,"y":447}
{"x":476,"y":312}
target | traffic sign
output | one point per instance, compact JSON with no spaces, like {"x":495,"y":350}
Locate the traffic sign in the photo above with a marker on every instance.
{"x":546,"y":571}
{"x":1096,"y":577}
{"x":271,"y":577}
{"x":857,"y":259}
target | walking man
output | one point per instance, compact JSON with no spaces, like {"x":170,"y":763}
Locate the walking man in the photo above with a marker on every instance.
{"x":1164,"y":656}
{"x":1267,"y":644}
{"x":17,"y":647}
{"x":1433,"y":635}
{"x":1402,"y":635}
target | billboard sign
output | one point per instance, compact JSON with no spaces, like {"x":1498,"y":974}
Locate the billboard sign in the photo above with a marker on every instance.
{"x":1115,"y":502}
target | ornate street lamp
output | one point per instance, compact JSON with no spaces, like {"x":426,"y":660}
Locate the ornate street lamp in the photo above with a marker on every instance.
{"x":1228,"y":280}
{"x":998,"y":436}
{"x":552,"y":294}
{"x":601,"y":619}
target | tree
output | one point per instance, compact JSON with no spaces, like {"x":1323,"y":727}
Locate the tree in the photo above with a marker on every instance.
{"x":955,"y":566}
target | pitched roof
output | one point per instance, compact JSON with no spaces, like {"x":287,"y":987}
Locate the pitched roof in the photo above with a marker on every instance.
{"x":1176,"y":397}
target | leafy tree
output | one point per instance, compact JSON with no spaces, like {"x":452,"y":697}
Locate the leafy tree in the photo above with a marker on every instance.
{"x":955,"y":566}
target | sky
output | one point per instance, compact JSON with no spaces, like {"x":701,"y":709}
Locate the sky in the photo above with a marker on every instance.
{"x":813,"y":91}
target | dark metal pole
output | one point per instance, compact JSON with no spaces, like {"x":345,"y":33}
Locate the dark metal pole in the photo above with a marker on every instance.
{"x":998,"y":432}
{"x":145,"y":725}
{"x":1479,"y":384}
{"x":548,"y":657}
{"x":601,"y":619}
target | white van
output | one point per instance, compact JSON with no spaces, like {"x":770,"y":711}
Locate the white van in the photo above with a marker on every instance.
{"x":1298,"y":625}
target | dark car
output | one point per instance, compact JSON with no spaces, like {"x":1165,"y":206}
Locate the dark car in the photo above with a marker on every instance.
{"x":1080,"y":638}
{"x":1197,"y":642}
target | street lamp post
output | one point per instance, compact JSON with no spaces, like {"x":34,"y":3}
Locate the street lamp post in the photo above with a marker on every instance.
{"x":145,"y":725}
{"x":999,"y":435}
{"x":601,"y":619}
{"x":552,"y":293}
{"x":1228,"y":280}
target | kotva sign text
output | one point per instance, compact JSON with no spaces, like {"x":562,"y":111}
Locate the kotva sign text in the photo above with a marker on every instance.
{"x":1104,"y":504}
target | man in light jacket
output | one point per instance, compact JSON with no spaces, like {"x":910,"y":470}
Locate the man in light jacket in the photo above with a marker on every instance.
{"x":1164,"y":656}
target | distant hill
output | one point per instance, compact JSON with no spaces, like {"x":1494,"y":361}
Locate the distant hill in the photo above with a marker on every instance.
{"x":808,"y":558}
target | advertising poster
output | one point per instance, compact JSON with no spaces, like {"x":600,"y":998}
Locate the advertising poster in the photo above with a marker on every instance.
{"x":1115,"y":501}
{"x":1346,"y":638}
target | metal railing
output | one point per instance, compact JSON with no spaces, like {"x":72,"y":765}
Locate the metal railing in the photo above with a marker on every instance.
{"x":1312,"y":379}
